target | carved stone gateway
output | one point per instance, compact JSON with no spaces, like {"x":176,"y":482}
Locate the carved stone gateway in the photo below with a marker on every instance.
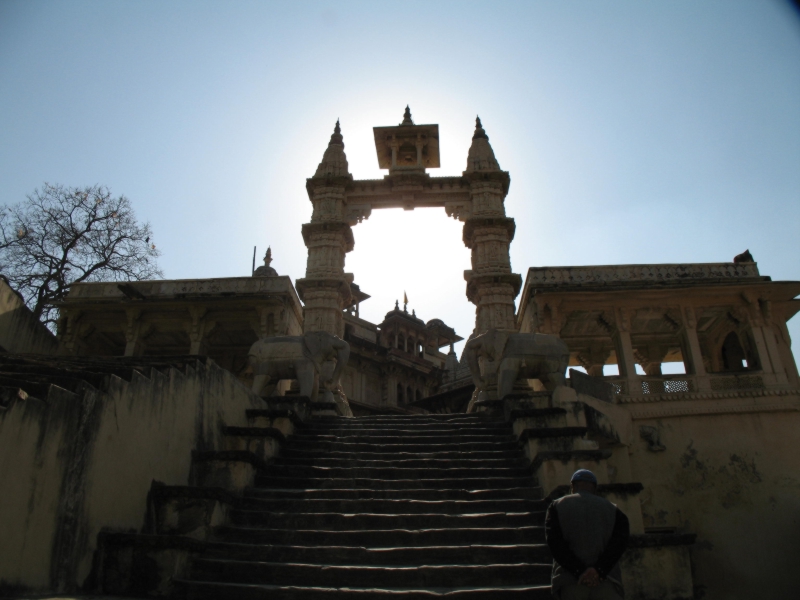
{"x":476,"y":198}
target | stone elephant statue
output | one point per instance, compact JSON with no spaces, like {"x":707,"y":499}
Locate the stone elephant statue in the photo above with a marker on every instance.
{"x":508,"y":356}
{"x":310,"y":358}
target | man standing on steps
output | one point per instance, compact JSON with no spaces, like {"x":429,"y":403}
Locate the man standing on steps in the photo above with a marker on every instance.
{"x":587,"y":535}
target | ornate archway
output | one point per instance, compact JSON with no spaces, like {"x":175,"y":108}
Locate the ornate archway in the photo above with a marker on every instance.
{"x":476,"y":198}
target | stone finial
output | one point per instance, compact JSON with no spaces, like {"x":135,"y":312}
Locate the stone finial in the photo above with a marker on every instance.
{"x":481,"y":156}
{"x":266,"y":270}
{"x":407,"y":117}
{"x":334,"y":161}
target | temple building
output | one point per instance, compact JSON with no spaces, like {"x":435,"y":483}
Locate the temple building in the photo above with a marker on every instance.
{"x":682,"y":395}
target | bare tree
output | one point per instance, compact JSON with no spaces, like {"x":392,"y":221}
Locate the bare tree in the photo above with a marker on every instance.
{"x":61,"y":236}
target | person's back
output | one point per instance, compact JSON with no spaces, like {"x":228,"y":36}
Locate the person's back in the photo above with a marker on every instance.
{"x":587,"y":535}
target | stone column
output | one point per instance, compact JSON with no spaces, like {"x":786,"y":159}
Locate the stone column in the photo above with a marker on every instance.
{"x":624,"y":350}
{"x":759,"y":317}
{"x":325,"y":290}
{"x":198,"y":330}
{"x":134,"y":333}
{"x":491,"y":285}
{"x":693,"y":361}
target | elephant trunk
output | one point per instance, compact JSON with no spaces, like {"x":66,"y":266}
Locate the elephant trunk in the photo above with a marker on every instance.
{"x":342,"y":356}
{"x":471,"y":354}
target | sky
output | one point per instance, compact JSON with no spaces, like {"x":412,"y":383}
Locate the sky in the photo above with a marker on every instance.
{"x":634,"y":131}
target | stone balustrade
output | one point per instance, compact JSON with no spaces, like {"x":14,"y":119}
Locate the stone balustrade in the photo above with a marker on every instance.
{"x":683,"y":384}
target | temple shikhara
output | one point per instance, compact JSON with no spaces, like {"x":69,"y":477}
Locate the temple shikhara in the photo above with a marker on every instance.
{"x":254,"y":437}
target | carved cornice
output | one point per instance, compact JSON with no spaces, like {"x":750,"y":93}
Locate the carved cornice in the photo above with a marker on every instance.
{"x":673,"y":273}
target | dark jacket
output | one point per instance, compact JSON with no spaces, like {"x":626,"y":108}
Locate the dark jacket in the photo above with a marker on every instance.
{"x":584,"y":530}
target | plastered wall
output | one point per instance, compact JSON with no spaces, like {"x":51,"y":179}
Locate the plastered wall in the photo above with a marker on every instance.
{"x":20,"y":331}
{"x":73,"y":464}
{"x":734,"y":480}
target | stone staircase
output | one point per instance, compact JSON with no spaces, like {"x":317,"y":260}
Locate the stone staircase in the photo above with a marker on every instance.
{"x":372,"y":507}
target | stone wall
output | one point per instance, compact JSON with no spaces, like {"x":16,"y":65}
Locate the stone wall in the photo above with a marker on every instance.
{"x":734,"y":480}
{"x":75,"y":462}
{"x":20,"y":331}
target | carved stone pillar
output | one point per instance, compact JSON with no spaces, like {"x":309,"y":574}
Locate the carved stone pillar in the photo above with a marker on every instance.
{"x":325,"y":290}
{"x":624,"y":350}
{"x":759,"y":313}
{"x":198,"y":329}
{"x":650,"y":358}
{"x":69,"y":325}
{"x":134,"y":333}
{"x":693,"y":360}
{"x":491,"y":285}
{"x":594,"y":359}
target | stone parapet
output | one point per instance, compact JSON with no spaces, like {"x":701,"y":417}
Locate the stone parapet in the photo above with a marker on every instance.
{"x":179,"y":288}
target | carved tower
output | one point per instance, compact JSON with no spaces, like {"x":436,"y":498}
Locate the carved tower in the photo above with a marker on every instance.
{"x":491,"y":286}
{"x":325,"y":290}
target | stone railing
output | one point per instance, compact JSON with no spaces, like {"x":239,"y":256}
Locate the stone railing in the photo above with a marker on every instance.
{"x":684,"y":384}
{"x":668,"y":385}
{"x":732,"y":383}
{"x":599,"y":275}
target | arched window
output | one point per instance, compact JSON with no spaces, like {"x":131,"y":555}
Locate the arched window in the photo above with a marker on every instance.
{"x":419,"y":395}
{"x":401,"y":342}
{"x":399,"y":393}
{"x":733,"y":355}
{"x":420,"y":350}
{"x":410,"y":345}
{"x":410,"y":394}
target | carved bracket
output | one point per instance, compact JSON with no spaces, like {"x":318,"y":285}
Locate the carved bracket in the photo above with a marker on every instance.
{"x":356,"y":213}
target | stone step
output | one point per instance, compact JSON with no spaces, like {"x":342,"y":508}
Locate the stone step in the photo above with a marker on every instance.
{"x":412,"y":555}
{"x":391,"y":507}
{"x":380,"y":445}
{"x":404,"y":462}
{"x":368,"y":521}
{"x":529,"y":493}
{"x":365,"y":576}
{"x":399,"y":419}
{"x":302,"y":471}
{"x":201,"y":590}
{"x":459,"y":483}
{"x":311,"y":454}
{"x":382,"y":538}
{"x":399,"y":437}
{"x":502,"y":429}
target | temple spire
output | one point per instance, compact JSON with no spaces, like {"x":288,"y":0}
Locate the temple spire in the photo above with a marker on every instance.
{"x":334,"y":161}
{"x":481,"y":156}
{"x":407,"y":117}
